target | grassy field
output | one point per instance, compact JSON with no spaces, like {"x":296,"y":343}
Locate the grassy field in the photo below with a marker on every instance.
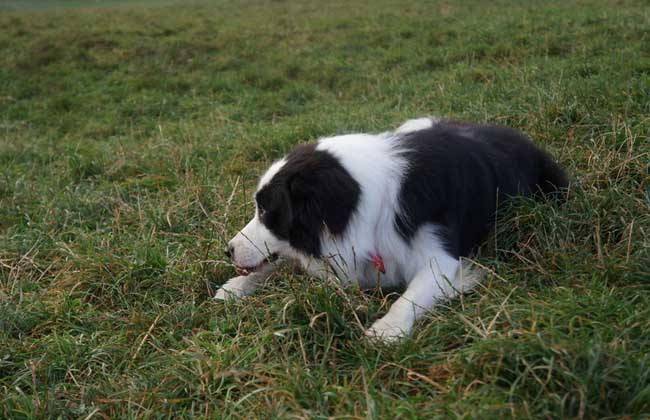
{"x":130,"y":141}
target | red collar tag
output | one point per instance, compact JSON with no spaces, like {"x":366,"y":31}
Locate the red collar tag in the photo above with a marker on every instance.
{"x":378,"y":262}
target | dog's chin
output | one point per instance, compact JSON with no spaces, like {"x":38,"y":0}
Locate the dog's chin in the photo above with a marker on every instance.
{"x":246,"y":270}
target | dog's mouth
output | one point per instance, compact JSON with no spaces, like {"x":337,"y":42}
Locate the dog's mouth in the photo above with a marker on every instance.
{"x":244,"y":271}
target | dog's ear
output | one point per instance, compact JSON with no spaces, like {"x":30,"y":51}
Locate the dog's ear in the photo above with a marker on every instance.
{"x":326,"y":195}
{"x":301,"y":187}
{"x":307,"y":221}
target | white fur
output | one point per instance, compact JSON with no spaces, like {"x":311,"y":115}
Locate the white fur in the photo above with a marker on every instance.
{"x":416,"y":125}
{"x":254,"y":243}
{"x":270,"y":173}
{"x":241,"y":286}
{"x":423,"y":265}
{"x":374,"y":164}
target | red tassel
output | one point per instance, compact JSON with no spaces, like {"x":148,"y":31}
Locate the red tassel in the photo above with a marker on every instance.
{"x":378,"y":262}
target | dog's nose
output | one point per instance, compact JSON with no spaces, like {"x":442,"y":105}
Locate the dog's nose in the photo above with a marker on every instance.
{"x":229,"y":251}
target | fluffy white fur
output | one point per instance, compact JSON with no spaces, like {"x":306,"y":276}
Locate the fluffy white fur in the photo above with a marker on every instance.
{"x":428,"y":271}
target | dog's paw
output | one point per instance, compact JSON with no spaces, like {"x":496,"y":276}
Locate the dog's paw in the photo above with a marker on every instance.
{"x":386,"y":331}
{"x":234,"y":289}
{"x":224,"y":294}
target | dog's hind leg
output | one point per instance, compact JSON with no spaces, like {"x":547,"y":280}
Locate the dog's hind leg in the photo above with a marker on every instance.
{"x":430,"y":285}
{"x":241,"y":286}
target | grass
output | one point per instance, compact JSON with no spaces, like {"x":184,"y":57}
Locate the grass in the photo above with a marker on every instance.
{"x":130,"y":141}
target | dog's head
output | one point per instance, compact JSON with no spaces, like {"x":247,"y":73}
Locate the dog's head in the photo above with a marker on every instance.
{"x":299,"y":196}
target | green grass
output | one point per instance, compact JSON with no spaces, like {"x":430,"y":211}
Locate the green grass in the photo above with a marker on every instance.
{"x":130,"y":142}
{"x":14,"y":5}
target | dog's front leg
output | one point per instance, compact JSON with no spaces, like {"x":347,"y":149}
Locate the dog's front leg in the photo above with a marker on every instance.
{"x":241,"y":286}
{"x":427,"y":287}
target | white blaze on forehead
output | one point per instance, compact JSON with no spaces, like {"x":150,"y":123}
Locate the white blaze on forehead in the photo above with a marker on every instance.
{"x":255,"y":241}
{"x":416,"y":125}
{"x":271,"y":172}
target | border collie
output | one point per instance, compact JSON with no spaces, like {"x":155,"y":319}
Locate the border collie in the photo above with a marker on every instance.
{"x":399,"y":208}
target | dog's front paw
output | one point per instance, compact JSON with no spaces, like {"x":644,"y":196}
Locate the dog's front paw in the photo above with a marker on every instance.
{"x":225,"y":294}
{"x":386,"y":331}
{"x":235,"y":288}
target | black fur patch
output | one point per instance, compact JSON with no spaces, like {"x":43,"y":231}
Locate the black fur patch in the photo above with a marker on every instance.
{"x":310,"y":191}
{"x":458,"y":173}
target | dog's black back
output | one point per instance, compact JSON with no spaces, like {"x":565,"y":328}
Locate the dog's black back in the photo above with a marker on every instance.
{"x":459,"y":173}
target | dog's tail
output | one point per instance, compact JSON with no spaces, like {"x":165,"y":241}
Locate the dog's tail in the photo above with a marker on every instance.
{"x":553,"y":180}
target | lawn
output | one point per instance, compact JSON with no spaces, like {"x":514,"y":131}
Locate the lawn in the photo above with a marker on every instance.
{"x":131,"y":136}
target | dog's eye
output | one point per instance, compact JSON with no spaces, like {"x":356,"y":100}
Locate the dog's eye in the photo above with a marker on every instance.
{"x":261,"y":212}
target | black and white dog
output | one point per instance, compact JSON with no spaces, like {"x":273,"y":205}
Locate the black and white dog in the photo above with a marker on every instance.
{"x":396,"y":208}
